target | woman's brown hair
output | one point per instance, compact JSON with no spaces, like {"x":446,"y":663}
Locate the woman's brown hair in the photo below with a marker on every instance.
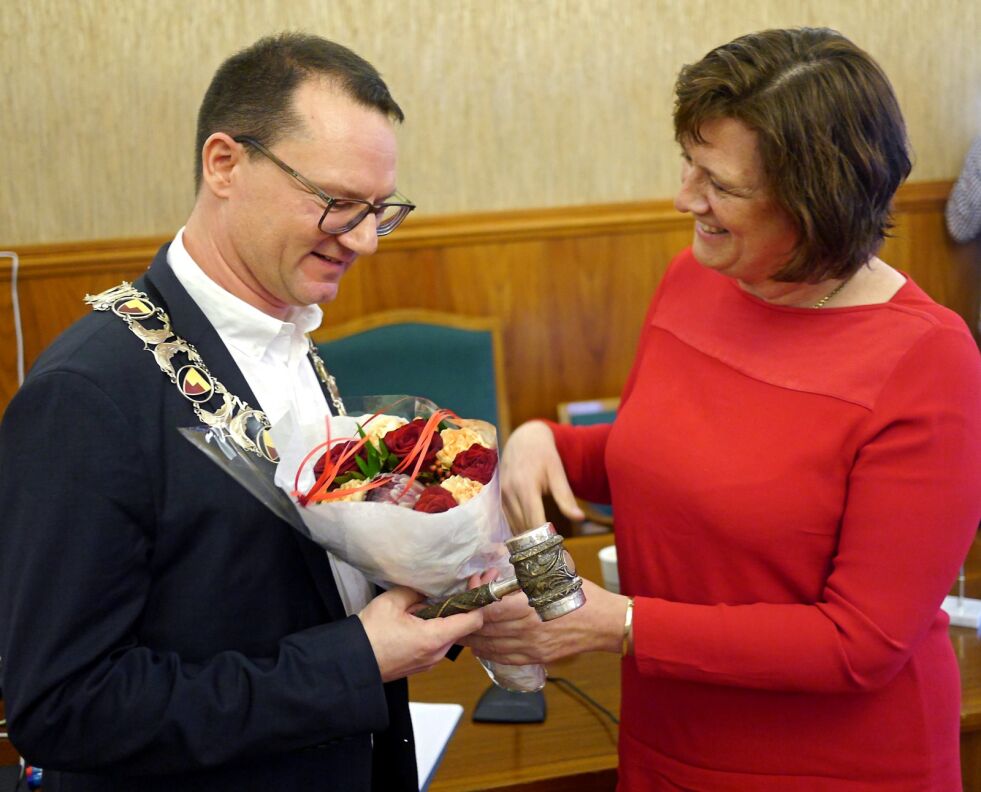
{"x":830,"y":133}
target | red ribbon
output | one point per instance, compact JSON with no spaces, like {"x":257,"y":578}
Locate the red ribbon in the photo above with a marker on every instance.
{"x":320,"y":491}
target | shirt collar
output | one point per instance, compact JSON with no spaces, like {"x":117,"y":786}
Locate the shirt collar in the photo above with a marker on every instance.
{"x":239,"y":324}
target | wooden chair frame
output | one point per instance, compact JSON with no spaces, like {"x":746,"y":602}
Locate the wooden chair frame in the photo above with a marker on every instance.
{"x":566,"y":412}
{"x":490,"y":324}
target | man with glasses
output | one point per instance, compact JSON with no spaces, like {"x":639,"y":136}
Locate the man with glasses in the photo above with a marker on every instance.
{"x":160,"y":629}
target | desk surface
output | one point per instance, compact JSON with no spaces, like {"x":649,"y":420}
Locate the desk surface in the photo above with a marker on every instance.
{"x":576,"y":739}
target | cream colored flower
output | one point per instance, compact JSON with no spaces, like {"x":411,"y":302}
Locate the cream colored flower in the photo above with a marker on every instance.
{"x":455,"y":441}
{"x":487,"y":432}
{"x":379,"y":426}
{"x":463,"y":489}
{"x":354,"y":497}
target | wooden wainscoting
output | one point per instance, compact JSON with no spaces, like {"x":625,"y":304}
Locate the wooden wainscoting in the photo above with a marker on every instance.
{"x":570,"y":286}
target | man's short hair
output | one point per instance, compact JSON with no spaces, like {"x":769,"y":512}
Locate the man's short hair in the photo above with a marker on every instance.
{"x":252,"y":92}
{"x":831,"y":137}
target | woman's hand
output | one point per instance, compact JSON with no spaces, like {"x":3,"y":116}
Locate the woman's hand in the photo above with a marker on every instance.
{"x":513,"y":633}
{"x":531,"y":467}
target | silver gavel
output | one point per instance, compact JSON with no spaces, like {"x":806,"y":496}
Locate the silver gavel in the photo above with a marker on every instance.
{"x":543,"y":570}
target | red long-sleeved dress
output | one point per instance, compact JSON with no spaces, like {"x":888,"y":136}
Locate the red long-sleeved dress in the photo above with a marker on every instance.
{"x":794,"y":490}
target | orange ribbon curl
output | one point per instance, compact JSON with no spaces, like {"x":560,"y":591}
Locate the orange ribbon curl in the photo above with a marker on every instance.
{"x":320,"y":491}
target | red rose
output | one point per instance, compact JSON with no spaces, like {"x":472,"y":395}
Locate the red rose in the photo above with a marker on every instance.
{"x":435,"y":499}
{"x":477,"y":462}
{"x":335,"y":452}
{"x":402,"y":440}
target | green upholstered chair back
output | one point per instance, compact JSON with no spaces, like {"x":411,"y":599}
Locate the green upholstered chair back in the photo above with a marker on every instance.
{"x":453,"y":360}
{"x":585,"y":413}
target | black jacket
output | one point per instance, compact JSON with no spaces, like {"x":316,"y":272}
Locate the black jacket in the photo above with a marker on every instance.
{"x":160,"y":628}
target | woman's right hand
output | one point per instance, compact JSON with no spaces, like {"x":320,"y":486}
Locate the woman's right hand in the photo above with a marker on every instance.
{"x":531,"y":467}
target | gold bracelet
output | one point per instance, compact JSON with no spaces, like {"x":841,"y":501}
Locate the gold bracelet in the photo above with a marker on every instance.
{"x":628,"y":623}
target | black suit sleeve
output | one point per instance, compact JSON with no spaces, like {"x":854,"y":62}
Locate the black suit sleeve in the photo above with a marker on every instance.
{"x":394,"y":757}
{"x":82,"y":690}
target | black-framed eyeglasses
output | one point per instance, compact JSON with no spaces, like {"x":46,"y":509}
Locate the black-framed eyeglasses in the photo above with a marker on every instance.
{"x":342,"y":214}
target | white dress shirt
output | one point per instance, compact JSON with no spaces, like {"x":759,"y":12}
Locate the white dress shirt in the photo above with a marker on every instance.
{"x":273,"y":357}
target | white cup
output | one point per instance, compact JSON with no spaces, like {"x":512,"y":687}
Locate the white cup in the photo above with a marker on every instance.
{"x":608,"y":566}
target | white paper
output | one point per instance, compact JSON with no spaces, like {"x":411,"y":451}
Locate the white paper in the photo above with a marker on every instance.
{"x":433,"y":725}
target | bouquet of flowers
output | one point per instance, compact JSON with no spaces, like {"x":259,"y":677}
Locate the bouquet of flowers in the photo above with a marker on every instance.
{"x":405,"y":492}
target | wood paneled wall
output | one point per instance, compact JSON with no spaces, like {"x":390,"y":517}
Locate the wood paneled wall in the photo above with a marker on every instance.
{"x":571,"y":286}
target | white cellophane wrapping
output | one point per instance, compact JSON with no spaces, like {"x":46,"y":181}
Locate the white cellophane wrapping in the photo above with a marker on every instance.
{"x":434,"y":554}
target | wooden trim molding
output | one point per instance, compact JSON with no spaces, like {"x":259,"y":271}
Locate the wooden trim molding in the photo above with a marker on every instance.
{"x":360,"y":324}
{"x":51,"y":260}
{"x":66,"y":258}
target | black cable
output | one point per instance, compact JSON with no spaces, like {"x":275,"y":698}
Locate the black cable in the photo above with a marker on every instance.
{"x":575,"y":690}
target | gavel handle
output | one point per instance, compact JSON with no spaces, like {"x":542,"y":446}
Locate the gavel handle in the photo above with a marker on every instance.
{"x":470,"y":600}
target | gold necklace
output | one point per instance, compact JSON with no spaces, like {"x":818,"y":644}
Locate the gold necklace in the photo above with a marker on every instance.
{"x":821,"y":303}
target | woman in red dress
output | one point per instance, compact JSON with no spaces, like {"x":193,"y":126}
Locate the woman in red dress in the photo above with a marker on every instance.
{"x":795,"y":467}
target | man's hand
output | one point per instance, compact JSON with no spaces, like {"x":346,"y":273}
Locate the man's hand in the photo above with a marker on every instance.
{"x":405,"y":644}
{"x":531,"y":467}
{"x":513,"y":633}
